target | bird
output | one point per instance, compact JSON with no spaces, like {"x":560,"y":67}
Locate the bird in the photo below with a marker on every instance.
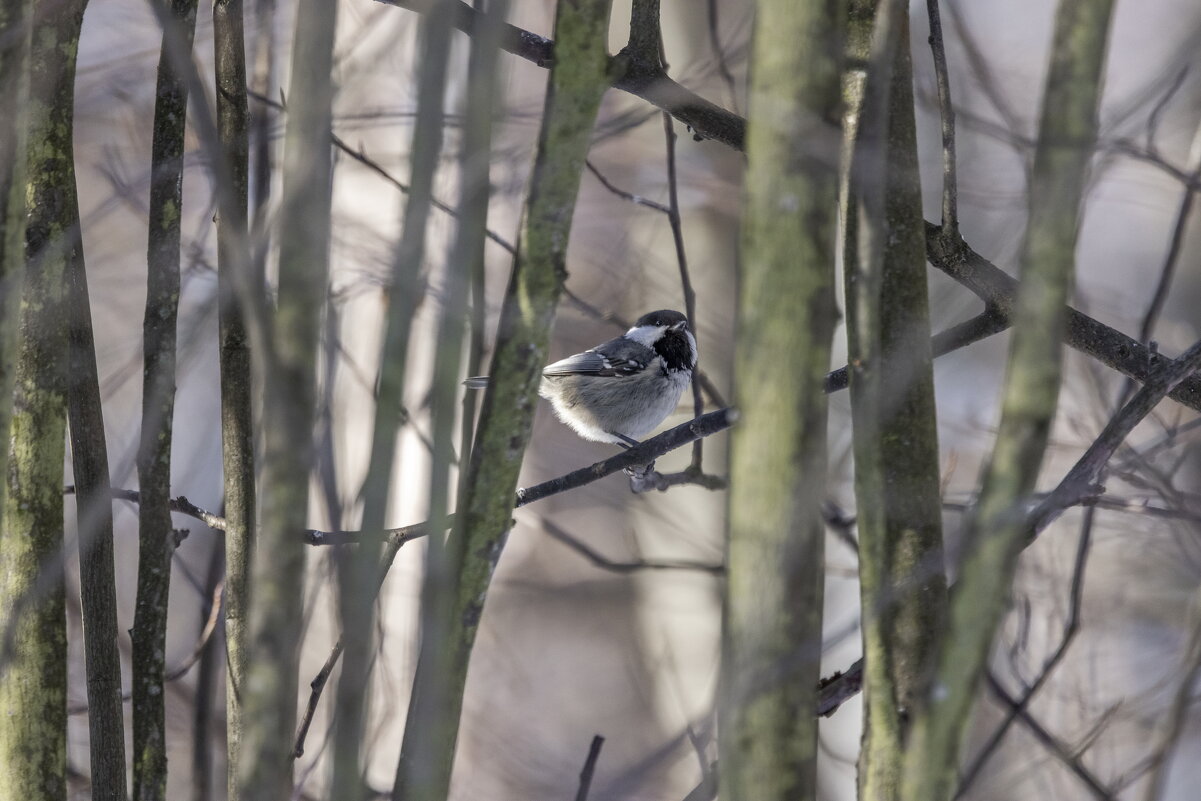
{"x":620,"y":390}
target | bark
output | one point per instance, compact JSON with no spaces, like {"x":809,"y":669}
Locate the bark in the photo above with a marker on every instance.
{"x":459,"y":572}
{"x":237,"y":408}
{"x":156,"y":542}
{"x":771,"y":648}
{"x":33,"y":683}
{"x":902,"y":582}
{"x":16,"y":21}
{"x":358,"y":568}
{"x":269,"y":687}
{"x":98,"y":593}
{"x":997,"y":530}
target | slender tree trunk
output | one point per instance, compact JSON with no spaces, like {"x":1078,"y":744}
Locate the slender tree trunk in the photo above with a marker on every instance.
{"x":156,"y":541}
{"x":33,"y":679}
{"x":772,"y":641}
{"x":996,"y":532}
{"x":458,"y":572}
{"x":902,"y":581}
{"x":94,"y":505}
{"x":237,"y":408}
{"x":268,"y":691}
{"x":358,"y":568}
{"x":203,"y":704}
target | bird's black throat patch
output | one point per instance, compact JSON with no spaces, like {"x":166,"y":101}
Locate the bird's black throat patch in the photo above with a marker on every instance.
{"x":674,"y":350}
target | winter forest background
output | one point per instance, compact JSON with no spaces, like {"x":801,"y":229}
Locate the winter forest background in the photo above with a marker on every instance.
{"x":604,"y":611}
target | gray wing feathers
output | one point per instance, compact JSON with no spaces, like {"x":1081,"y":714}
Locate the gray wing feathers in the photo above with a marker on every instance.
{"x":617,"y":357}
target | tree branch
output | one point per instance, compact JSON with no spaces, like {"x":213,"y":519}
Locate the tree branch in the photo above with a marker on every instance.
{"x":640,"y":78}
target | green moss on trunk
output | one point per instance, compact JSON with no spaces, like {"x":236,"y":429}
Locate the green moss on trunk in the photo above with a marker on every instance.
{"x":996,"y":533}
{"x":33,"y":685}
{"x":902,"y":583}
{"x":458,"y":577}
{"x":773,"y":608}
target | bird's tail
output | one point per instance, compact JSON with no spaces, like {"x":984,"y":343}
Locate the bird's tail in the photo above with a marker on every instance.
{"x":478,"y":382}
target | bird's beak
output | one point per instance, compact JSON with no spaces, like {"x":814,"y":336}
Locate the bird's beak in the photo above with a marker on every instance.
{"x":680,"y":326}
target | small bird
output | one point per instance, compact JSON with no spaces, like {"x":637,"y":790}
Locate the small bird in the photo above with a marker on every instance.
{"x":620,"y":390}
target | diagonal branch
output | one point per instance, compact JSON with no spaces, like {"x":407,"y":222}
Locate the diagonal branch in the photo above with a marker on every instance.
{"x":640,"y":78}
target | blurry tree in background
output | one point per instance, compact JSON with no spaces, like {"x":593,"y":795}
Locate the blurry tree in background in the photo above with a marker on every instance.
{"x":988,"y":546}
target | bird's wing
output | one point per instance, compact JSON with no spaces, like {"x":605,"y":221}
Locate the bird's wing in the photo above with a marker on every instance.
{"x":617,"y":357}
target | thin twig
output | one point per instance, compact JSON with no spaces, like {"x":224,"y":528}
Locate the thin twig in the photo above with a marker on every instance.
{"x":1071,"y":628}
{"x":719,"y":54}
{"x":621,"y":193}
{"x":677,"y":235}
{"x":589,"y":767}
{"x":1082,"y":478}
{"x":373,"y":165}
{"x":950,"y":186}
{"x":605,"y":563}
{"x":1052,"y":744}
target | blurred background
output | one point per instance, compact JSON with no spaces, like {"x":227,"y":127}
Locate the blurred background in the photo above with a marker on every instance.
{"x":622,"y":639}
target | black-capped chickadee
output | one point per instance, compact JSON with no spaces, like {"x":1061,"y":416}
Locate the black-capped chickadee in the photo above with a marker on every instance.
{"x":622,"y":389}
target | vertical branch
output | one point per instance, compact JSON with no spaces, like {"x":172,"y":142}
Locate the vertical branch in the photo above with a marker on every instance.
{"x":645,"y":43}
{"x":357,"y":568}
{"x":94,"y":510}
{"x":995,"y":533}
{"x":155,"y":540}
{"x":33,"y":683}
{"x":458,"y":575}
{"x":771,"y":649}
{"x":203,"y":701}
{"x":17,"y":23}
{"x":274,"y":627}
{"x":466,"y":262}
{"x":902,"y":584}
{"x":237,"y":410}
{"x":677,"y":236}
{"x":946,"y":111}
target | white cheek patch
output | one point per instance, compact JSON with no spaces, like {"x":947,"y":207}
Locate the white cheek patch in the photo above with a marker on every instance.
{"x":645,"y":334}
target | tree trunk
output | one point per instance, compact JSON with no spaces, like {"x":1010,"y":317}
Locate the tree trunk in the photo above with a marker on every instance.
{"x":996,"y":532}
{"x":33,"y":683}
{"x":273,"y":640}
{"x":237,"y":405}
{"x":772,"y":641}
{"x":458,"y":573}
{"x":156,"y":541}
{"x":899,"y":512}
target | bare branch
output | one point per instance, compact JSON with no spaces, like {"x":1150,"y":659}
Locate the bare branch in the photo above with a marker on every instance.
{"x":946,"y":110}
{"x":589,"y":767}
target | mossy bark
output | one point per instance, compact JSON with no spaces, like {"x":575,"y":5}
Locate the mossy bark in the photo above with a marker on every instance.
{"x":772,"y":642}
{"x":237,"y":406}
{"x":459,"y":572}
{"x":996,"y":532}
{"x":269,"y":687}
{"x":902,"y":581}
{"x":156,"y":541}
{"x":33,"y":685}
{"x":16,"y":21}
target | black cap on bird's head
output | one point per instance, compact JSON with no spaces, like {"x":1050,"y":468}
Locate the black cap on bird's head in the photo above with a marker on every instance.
{"x":666,"y":331}
{"x":667,"y":318}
